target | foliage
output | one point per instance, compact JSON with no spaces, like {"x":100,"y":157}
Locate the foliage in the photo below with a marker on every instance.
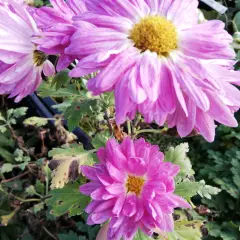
{"x":67,"y":200}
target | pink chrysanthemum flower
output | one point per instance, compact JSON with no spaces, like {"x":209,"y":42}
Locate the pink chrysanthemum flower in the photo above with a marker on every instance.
{"x":160,"y":62}
{"x":57,"y":27}
{"x":20,"y":61}
{"x":132,"y":188}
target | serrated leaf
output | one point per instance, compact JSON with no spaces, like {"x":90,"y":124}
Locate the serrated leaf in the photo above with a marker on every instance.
{"x":7,"y":167}
{"x":3,"y":129}
{"x":61,"y":78}
{"x":78,"y":110}
{"x":207,"y":191}
{"x":67,"y":200}
{"x":68,"y":160}
{"x":189,"y":230}
{"x":100,"y":140}
{"x":69,"y":236}
{"x":36,"y":121}
{"x":19,"y":112}
{"x":187,"y":189}
{"x":45,"y":90}
{"x":31,"y":190}
{"x":178,"y":156}
{"x":19,"y":156}
{"x":38,"y":207}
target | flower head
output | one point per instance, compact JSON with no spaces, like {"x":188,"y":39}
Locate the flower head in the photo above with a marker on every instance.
{"x":133,"y":188}
{"x":160,"y":61}
{"x":57,"y":25}
{"x":20,"y":62}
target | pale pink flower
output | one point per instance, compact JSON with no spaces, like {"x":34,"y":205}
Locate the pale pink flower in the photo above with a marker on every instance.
{"x":159,"y":61}
{"x":21,"y":63}
{"x":133,"y":188}
{"x":57,"y":25}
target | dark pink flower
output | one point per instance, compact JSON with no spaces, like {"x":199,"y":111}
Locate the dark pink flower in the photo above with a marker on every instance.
{"x":133,"y":188}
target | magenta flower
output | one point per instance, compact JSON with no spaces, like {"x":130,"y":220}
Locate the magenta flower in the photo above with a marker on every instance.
{"x":159,"y":61}
{"x":132,"y":188}
{"x":21,"y":63}
{"x":57,"y":27}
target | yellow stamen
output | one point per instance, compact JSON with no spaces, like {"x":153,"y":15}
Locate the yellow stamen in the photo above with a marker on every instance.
{"x":156,"y":34}
{"x":39,"y":58}
{"x":135,"y":184}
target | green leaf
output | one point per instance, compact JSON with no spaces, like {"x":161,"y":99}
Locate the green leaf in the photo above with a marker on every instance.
{"x":39,"y":187}
{"x":91,"y":231}
{"x":36,"y":121}
{"x":6,"y":155}
{"x":70,"y":236}
{"x":78,"y":110}
{"x":31,"y":190}
{"x":38,"y":207}
{"x":20,"y":112}
{"x":2,"y":118}
{"x":187,"y":189}
{"x":207,"y":191}
{"x":61,"y":78}
{"x":7,"y":167}
{"x":100,"y":140}
{"x":67,"y":200}
{"x":68,"y":160}
{"x":16,"y":185}
{"x":19,"y":156}
{"x":3,"y":129}
{"x":237,"y":21}
{"x":45,"y":90}
{"x":189,"y":230}
{"x":141,"y":236}
{"x":178,"y":156}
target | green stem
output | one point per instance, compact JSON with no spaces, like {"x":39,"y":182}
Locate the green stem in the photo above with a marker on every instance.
{"x":27,"y":200}
{"x":129,"y":128}
{"x":149,"y":131}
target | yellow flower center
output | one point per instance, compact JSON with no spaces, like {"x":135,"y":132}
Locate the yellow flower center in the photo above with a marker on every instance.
{"x":134,"y":184}
{"x":39,"y":58}
{"x":156,"y":34}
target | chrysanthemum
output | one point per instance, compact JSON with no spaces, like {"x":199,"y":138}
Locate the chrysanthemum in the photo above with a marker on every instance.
{"x":56,"y":23}
{"x":160,"y":62}
{"x":132,"y":188}
{"x":21,"y":63}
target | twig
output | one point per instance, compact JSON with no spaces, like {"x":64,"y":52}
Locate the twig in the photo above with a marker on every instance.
{"x":19,"y":142}
{"x":50,"y":234}
{"x":14,"y":178}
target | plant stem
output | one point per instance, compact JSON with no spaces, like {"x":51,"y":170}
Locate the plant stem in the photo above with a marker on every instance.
{"x":14,"y":178}
{"x":149,"y":131}
{"x":26,"y":200}
{"x":50,"y":234}
{"x":19,"y":142}
{"x":129,"y":127}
